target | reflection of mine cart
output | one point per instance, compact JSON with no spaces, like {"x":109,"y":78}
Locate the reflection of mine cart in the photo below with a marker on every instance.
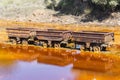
{"x":57,"y":57}
{"x":96,"y":62}
{"x":53,"y":60}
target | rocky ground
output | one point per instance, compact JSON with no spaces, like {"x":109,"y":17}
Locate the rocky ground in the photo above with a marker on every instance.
{"x":35,"y":11}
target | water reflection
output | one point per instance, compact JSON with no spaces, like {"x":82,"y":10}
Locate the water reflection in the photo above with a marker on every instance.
{"x":30,"y":67}
{"x":54,"y":57}
{"x":37,"y":63}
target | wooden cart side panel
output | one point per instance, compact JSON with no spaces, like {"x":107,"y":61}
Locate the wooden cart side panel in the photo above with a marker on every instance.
{"x":79,"y":34}
{"x":18,"y":32}
{"x":93,"y":37}
{"x":51,"y":35}
{"x":90,"y":39}
{"x":18,"y":36}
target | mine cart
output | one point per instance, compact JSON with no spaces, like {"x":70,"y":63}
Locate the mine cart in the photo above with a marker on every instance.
{"x":93,"y":40}
{"x":53,"y":38}
{"x":20,"y":35}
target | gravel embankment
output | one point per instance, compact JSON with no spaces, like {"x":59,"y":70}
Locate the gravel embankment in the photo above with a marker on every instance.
{"x":34,"y":10}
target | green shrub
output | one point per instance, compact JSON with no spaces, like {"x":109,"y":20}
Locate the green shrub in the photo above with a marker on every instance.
{"x":108,"y":4}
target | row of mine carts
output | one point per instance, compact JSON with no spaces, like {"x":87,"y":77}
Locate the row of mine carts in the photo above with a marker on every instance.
{"x":59,"y":57}
{"x":83,"y":40}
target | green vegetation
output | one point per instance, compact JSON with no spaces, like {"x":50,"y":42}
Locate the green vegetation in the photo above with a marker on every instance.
{"x":94,"y":9}
{"x":74,"y":7}
{"x":107,"y":4}
{"x":91,"y":9}
{"x":79,"y":5}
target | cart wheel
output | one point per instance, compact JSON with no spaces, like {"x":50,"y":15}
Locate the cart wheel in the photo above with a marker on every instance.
{"x":71,"y":45}
{"x":24,"y":42}
{"x":82,"y":47}
{"x":96,"y":48}
{"x":37,"y":42}
{"x":45,"y":45}
{"x":64,"y":45}
{"x":13,"y":41}
{"x":103,"y":48}
{"x":49,"y":44}
{"x":57,"y":45}
{"x":91,"y":48}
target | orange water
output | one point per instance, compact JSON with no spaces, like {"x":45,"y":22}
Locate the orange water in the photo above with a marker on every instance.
{"x":28,"y":63}
{"x":22,"y":63}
